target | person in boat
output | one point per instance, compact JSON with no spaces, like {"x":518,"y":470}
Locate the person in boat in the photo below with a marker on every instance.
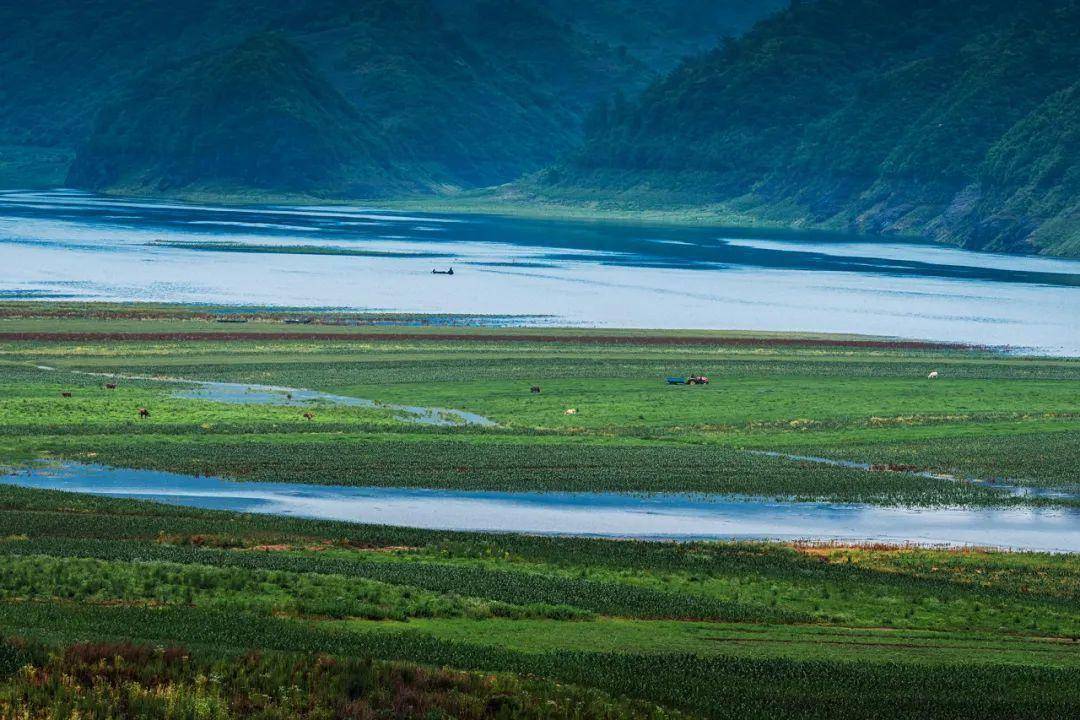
{"x":442,"y":272}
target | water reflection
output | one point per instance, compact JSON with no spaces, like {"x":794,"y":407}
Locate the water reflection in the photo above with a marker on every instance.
{"x":653,"y":516}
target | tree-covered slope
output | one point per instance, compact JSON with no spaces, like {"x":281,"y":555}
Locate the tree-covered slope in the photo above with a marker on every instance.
{"x":946,"y":117}
{"x":463,"y":94}
{"x":660,"y":33}
{"x":256,"y":116}
{"x":1033,"y":172}
{"x":472,"y":102}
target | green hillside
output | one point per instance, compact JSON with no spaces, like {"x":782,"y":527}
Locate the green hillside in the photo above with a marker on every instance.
{"x":257,"y":116}
{"x":951,"y":118}
{"x":471,"y":103}
{"x":457,"y":94}
{"x":1033,"y":171}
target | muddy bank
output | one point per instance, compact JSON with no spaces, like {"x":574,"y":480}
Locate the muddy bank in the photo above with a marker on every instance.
{"x":228,"y":336}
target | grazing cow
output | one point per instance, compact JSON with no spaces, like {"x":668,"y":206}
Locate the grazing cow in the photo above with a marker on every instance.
{"x":110,"y":386}
{"x":65,"y":394}
{"x":534,"y":389}
{"x":571,"y":411}
{"x":932,"y":376}
{"x":309,"y":415}
{"x":144,"y":413}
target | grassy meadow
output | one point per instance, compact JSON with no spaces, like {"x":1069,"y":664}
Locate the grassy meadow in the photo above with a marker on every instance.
{"x":110,"y":605}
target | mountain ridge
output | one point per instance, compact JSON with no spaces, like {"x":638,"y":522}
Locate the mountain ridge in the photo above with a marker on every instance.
{"x":495,"y":90}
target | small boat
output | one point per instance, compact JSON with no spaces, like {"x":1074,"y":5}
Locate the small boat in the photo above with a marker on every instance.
{"x":442,"y":272}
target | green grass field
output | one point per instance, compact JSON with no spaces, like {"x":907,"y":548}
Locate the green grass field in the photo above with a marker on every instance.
{"x":987,"y":416}
{"x":178,"y":612}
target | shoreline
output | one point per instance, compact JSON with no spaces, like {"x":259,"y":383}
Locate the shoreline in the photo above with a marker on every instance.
{"x":484,"y":201}
{"x":74,"y":321}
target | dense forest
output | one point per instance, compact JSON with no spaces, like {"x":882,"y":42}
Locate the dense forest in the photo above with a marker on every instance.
{"x":258,"y":115}
{"x":950,"y":118}
{"x":385,"y":96}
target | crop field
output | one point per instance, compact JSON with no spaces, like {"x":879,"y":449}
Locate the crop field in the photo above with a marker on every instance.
{"x":119,"y":607}
{"x":719,"y":630}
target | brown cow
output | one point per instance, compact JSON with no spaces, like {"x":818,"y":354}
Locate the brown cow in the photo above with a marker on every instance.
{"x":309,"y":415}
{"x":65,"y":394}
{"x":110,"y":386}
{"x":144,"y":413}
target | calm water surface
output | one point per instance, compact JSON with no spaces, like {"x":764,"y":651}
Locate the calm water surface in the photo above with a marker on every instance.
{"x":653,"y":516}
{"x":67,"y":245}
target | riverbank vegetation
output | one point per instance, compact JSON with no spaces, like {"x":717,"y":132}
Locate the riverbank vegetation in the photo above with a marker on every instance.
{"x":145,"y":681}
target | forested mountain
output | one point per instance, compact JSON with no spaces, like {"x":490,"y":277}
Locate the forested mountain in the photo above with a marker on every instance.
{"x":386,"y":94}
{"x":256,"y":116}
{"x":950,"y":118}
{"x":953,"y":118}
{"x":659,"y":32}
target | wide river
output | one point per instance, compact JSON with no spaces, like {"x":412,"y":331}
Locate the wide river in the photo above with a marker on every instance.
{"x":66,"y":245}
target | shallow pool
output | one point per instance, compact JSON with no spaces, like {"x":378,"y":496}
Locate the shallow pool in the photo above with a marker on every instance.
{"x":653,"y":516}
{"x":245,"y":394}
